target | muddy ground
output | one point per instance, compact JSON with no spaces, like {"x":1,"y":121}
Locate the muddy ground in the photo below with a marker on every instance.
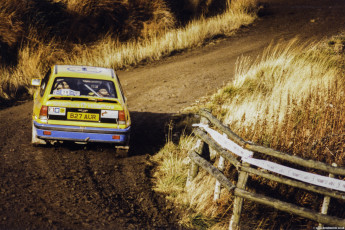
{"x":70,"y":186}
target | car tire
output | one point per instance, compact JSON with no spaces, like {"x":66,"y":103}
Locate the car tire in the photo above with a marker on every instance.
{"x":34,"y":139}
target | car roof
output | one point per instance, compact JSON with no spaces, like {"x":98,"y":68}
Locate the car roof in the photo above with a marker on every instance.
{"x":83,"y":71}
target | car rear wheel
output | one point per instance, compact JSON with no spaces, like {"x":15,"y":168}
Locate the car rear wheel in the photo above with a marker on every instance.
{"x":34,"y":139}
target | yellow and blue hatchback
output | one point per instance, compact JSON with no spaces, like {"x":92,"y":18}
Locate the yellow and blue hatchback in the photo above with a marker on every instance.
{"x":81,"y":104}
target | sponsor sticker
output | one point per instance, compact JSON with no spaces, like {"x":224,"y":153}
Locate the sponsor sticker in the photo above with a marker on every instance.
{"x":110,"y":114}
{"x":57,"y":111}
{"x":85,"y":69}
{"x":66,"y":92}
{"x":84,"y":105}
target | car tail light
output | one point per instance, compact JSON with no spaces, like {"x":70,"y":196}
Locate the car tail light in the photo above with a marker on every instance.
{"x":44,"y":112}
{"x":122,"y":117}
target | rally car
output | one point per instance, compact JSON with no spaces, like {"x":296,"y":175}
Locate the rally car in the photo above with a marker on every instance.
{"x":80,"y":104}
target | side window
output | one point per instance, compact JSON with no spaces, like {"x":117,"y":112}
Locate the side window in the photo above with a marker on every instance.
{"x":44,"y":83}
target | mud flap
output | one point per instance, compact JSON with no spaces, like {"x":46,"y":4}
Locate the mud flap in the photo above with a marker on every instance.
{"x":121,"y":151}
{"x":34,"y":139}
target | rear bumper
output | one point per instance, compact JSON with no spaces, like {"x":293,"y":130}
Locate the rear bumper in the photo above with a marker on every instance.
{"x":82,"y":134}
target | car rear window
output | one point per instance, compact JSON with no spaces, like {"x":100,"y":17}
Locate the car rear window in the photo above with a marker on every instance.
{"x":66,"y":86}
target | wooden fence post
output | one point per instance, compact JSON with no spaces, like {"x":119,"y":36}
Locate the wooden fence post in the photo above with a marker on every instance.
{"x":194,"y":168}
{"x":326,"y":199}
{"x":199,"y":148}
{"x":217,"y":188}
{"x":238,"y":201}
{"x":200,"y":157}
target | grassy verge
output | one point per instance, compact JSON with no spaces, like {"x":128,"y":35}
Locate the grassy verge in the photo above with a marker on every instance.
{"x":289,"y":99}
{"x":35,"y":56}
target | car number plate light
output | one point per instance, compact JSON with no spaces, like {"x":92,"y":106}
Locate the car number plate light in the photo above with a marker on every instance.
{"x":57,"y":111}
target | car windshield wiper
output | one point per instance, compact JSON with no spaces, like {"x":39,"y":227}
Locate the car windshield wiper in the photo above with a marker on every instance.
{"x":92,"y":90}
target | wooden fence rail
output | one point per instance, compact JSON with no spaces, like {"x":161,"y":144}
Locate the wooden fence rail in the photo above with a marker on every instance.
{"x":199,"y":159}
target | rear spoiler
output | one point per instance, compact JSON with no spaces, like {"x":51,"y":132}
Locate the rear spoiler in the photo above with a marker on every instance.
{"x":80,"y":98}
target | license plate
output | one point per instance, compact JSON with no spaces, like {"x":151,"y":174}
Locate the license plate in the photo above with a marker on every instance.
{"x":83,"y":116}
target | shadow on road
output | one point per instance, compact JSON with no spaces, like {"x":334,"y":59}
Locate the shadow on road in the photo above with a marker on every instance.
{"x":148,"y":133}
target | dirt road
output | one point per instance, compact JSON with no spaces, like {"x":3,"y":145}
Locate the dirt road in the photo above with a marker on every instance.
{"x":73,"y":186}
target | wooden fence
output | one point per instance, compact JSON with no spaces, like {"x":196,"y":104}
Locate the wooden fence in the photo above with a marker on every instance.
{"x":199,"y":159}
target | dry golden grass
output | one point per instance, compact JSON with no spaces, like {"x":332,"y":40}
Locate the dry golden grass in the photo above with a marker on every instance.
{"x":110,"y":52}
{"x":79,"y":22}
{"x":242,"y":5}
{"x":10,"y":28}
{"x":36,"y":54}
{"x":33,"y":60}
{"x":171,"y":177}
{"x":289,"y":99}
{"x":123,"y":19}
